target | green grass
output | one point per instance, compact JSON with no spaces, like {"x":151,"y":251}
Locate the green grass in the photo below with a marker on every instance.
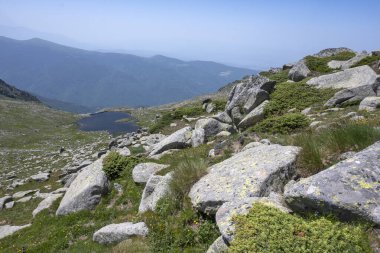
{"x":297,"y":95}
{"x":114,"y":164}
{"x":268,"y":230}
{"x":283,"y":124}
{"x":279,"y":77}
{"x":369,"y":60}
{"x":318,"y":64}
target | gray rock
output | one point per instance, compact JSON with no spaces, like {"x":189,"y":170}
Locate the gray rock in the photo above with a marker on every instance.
{"x":24,"y":199}
{"x":346,"y":79}
{"x":349,"y":63}
{"x":299,"y":71}
{"x":332,"y":51}
{"x":306,"y":111}
{"x":156,"y":188}
{"x":249,"y":93}
{"x":210,"y":107}
{"x":224,"y":216}
{"x":315,"y":124}
{"x":255,"y":116}
{"x":350,"y":95}
{"x":350,"y":189}
{"x":22,"y":194}
{"x":115,"y":233}
{"x":251,"y":145}
{"x":236,"y":115}
{"x":211,"y":127}
{"x":198,"y":137}
{"x":46,"y":203}
{"x":370,"y":104}
{"x":211,"y":153}
{"x":177,"y":140}
{"x":4,"y":200}
{"x":7,"y":230}
{"x":223,"y":134}
{"x":67,"y":180}
{"x":346,"y":155}
{"x":218,"y":246}
{"x":223,"y":117}
{"x":9,"y":205}
{"x":41,"y":177}
{"x":251,"y":173}
{"x":143,"y":171}
{"x":357,"y":118}
{"x":124,"y":151}
{"x":86,"y":190}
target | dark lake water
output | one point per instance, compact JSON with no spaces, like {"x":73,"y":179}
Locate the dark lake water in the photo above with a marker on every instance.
{"x":106,"y":121}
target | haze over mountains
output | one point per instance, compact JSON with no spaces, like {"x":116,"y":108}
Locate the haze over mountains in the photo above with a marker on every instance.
{"x":96,"y":79}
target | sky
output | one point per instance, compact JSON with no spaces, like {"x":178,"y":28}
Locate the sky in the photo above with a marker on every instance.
{"x":254,"y":34}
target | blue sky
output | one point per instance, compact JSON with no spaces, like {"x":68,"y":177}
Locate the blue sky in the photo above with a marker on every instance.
{"x":255,"y":34}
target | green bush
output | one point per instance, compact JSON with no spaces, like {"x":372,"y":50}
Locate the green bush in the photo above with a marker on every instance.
{"x":114,"y":164}
{"x":369,"y":60}
{"x":268,"y":230}
{"x":282,"y":124}
{"x":279,"y":77}
{"x":299,"y":95}
{"x":319,"y":64}
{"x":321,"y":149}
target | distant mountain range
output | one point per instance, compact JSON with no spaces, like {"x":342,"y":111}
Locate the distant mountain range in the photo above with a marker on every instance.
{"x":96,"y":79}
{"x":10,"y":91}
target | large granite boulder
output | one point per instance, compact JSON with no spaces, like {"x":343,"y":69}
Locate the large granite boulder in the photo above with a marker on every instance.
{"x":370,"y":104}
{"x":349,"y":63}
{"x":224,"y":216}
{"x":352,"y":95}
{"x":346,"y":79}
{"x":299,"y":71}
{"x":211,"y":127}
{"x":223,"y":117}
{"x":156,"y":188}
{"x":86,"y":190}
{"x":143,"y":171}
{"x":255,"y":116}
{"x":115,"y":233}
{"x":349,"y":189}
{"x":46,"y":203}
{"x":254,"y":172}
{"x":249,"y":93}
{"x":198,"y":137}
{"x":7,"y":230}
{"x":218,"y":246}
{"x":177,"y":140}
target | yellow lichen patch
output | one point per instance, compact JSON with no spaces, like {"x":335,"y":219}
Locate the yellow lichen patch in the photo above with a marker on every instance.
{"x":365,"y":185}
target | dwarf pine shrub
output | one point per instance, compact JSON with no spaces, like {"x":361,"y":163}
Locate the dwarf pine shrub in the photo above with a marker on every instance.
{"x":284,"y":124}
{"x":114,"y":164}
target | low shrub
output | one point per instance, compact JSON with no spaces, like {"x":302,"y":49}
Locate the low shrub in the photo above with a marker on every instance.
{"x":284,"y":124}
{"x":319,"y":64}
{"x":114,"y":164}
{"x":279,"y":77}
{"x":268,"y":230}
{"x":321,"y":149}
{"x":369,"y":60}
{"x":298,"y":95}
{"x":220,"y":104}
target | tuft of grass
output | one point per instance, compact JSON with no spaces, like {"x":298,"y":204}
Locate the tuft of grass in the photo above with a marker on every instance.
{"x":284,"y":124}
{"x":321,"y":149}
{"x":369,"y":60}
{"x":297,"y":95}
{"x":279,"y":77}
{"x":266,"y":229}
{"x":114,"y":164}
{"x":319,"y":64}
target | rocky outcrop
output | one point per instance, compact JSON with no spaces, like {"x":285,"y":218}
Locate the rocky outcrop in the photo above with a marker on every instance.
{"x":115,"y":233}
{"x":86,"y":190}
{"x":332,"y":51}
{"x":4,"y":200}
{"x":370,"y":104}
{"x":248,"y":94}
{"x":7,"y":230}
{"x":255,"y":116}
{"x":143,"y":171}
{"x":346,"y":79}
{"x":198,"y":137}
{"x":177,"y":140}
{"x":349,"y":189}
{"x":156,"y":188}
{"x":123,"y":151}
{"x":41,"y":177}
{"x":46,"y":203}
{"x":299,"y":71}
{"x":218,"y":246}
{"x":225,"y":214}
{"x":348,"y":96}
{"x":211,"y":127}
{"x":251,"y":173}
{"x":223,"y":117}
{"x":349,"y":63}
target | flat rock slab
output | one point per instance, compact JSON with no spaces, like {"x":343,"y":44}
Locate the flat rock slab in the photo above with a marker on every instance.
{"x":22,"y":194}
{"x":177,"y":140}
{"x":7,"y":230}
{"x":86,"y":190}
{"x":143,"y":171}
{"x":115,"y":233}
{"x":41,"y":177}
{"x":347,"y":79}
{"x":226,"y":213}
{"x":350,"y":189}
{"x":254,"y":172}
{"x":46,"y":203}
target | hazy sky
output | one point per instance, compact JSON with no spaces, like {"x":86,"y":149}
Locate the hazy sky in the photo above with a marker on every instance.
{"x":243,"y":33}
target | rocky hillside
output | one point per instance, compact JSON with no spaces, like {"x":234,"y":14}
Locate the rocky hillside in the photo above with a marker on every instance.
{"x":9,"y":91}
{"x":288,"y":161}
